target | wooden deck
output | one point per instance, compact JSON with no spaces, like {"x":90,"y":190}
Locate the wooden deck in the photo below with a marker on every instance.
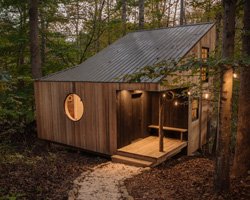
{"x":145,"y":152}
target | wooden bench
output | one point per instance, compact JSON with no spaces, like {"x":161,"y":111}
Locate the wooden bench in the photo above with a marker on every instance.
{"x":179,"y":130}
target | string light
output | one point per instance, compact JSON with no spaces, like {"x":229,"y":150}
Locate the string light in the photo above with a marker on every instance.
{"x":235,"y":75}
{"x":206,"y":96}
{"x":164,"y":95}
{"x":189,"y":93}
{"x":176,"y":103}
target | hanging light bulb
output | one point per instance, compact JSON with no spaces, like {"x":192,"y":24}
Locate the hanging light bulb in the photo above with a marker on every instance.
{"x":176,"y":103}
{"x":164,"y":95}
{"x":235,"y":75}
{"x":189,"y":93}
{"x":206,"y":96}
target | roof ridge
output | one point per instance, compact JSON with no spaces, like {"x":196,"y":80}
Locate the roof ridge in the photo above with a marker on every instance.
{"x":185,"y":25}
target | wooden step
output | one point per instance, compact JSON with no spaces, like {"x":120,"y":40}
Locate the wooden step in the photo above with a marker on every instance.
{"x":135,"y":156}
{"x":166,"y":157}
{"x":131,"y":161}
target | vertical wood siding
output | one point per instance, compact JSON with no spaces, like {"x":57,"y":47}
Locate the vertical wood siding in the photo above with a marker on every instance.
{"x":193,"y":131}
{"x":134,"y":116}
{"x":97,"y":129}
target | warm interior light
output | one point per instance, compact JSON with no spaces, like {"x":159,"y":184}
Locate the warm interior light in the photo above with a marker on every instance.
{"x":73,"y":106}
{"x":176,"y":103}
{"x":189,"y":93}
{"x":235,"y":75}
{"x":206,"y":96}
{"x":137,"y":92}
{"x":164,"y":95}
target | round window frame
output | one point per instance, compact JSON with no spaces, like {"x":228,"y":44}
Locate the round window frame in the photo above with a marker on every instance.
{"x":67,"y":114}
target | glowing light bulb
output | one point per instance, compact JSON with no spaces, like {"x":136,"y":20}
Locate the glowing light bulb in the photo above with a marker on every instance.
{"x":206,"y":96}
{"x":176,"y":103}
{"x":164,"y":95}
{"x":235,"y":75}
{"x":189,"y":93}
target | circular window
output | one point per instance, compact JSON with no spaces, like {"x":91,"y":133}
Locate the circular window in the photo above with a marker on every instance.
{"x":73,"y":107}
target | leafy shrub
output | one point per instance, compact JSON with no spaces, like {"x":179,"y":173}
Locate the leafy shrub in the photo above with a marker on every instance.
{"x":16,"y":108}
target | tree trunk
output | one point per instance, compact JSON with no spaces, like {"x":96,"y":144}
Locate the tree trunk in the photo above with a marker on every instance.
{"x":21,"y":47}
{"x":182,"y":13}
{"x":207,"y":145}
{"x":241,"y":163}
{"x":222,"y":180}
{"x":34,"y":40}
{"x":218,"y":18}
{"x":93,"y":33}
{"x":124,"y":17}
{"x":43,"y":40}
{"x":168,"y":16}
{"x":175,"y":12}
{"x":217,"y":129}
{"x":100,"y":10}
{"x":208,"y":10}
{"x":141,"y":14}
{"x":77,"y":30}
{"x":157,"y":13}
{"x":108,"y":13}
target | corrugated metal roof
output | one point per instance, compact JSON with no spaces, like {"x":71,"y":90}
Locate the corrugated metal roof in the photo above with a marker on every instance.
{"x":133,"y":52}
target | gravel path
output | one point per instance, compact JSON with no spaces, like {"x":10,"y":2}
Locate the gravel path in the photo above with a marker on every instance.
{"x":105,"y":181}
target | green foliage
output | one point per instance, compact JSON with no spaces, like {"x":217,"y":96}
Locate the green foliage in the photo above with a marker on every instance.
{"x":12,"y":196}
{"x":17,"y":100}
{"x":16,"y":108}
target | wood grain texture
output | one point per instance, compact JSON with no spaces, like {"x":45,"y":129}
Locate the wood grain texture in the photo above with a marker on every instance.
{"x":149,"y":148}
{"x":182,"y":130}
{"x":207,"y":41}
{"x":97,"y":129}
{"x":174,"y":116}
{"x":133,"y":116}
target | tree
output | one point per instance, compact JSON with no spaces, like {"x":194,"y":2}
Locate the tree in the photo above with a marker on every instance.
{"x":241,"y":159}
{"x":222,"y":179}
{"x":175,"y":12}
{"x":182,"y":13}
{"x":34,"y":40}
{"x":99,"y":24}
{"x":141,"y":14}
{"x":124,"y":16}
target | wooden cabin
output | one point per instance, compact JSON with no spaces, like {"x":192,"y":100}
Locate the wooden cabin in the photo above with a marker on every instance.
{"x":91,"y":107}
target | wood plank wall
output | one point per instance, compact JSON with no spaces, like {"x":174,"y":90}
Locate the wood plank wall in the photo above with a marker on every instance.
{"x":97,"y":129}
{"x":133,"y":114}
{"x":209,"y":41}
{"x":174,"y":116}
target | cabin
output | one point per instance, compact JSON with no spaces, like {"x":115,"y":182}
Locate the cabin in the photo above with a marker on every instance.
{"x":91,"y":107}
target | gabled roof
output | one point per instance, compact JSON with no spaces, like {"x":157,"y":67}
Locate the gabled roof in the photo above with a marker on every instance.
{"x":133,"y":52}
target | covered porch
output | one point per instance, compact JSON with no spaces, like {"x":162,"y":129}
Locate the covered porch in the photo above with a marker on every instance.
{"x":138,"y":141}
{"x":145,"y":152}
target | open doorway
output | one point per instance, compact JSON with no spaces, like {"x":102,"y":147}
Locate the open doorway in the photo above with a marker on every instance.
{"x":133,"y":116}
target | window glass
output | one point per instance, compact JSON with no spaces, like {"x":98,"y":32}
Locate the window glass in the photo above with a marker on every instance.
{"x":204,"y":70}
{"x":195,"y":109}
{"x":73,"y":107}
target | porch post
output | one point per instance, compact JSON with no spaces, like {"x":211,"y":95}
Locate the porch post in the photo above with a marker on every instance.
{"x":161,"y":119}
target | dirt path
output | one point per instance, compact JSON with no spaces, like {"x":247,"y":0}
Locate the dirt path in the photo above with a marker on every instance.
{"x":105,"y":181}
